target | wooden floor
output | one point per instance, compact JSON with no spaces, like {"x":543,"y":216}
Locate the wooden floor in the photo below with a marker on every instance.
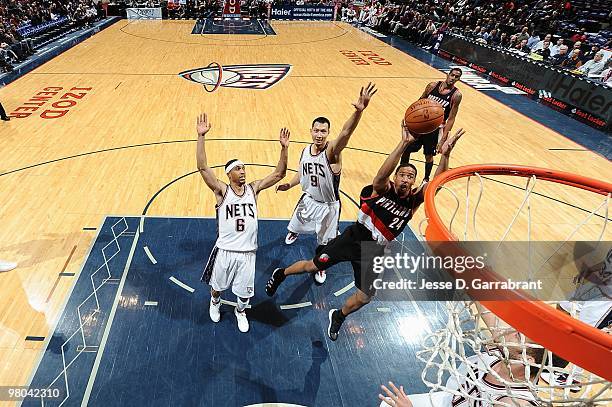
{"x":134,"y":132}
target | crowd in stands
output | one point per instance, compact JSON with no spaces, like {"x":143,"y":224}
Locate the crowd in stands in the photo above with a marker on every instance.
{"x":20,"y":18}
{"x":552,"y":31}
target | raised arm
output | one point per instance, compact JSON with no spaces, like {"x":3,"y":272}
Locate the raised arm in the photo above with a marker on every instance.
{"x":203,"y":126}
{"x":337,"y":145}
{"x":281,"y":168}
{"x":381,"y":180}
{"x":456,"y":100}
{"x":445,"y":151}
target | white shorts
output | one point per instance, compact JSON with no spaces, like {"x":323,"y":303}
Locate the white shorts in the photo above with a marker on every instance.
{"x":594,"y":313}
{"x":225,"y":268}
{"x":311,"y":216}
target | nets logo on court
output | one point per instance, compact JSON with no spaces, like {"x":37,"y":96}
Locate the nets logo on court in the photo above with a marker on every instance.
{"x":257,"y":76}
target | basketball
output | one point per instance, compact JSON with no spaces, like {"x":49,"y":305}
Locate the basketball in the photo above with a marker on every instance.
{"x":424,"y":116}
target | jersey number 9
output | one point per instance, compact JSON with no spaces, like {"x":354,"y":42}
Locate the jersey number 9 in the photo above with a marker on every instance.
{"x":314,"y":181}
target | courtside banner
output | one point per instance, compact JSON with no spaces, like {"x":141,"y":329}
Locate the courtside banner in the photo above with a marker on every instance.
{"x":153,"y":13}
{"x":585,"y":100}
{"x":302,"y":13}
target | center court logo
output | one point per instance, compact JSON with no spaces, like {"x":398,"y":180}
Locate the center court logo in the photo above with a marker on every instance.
{"x":256,"y":76}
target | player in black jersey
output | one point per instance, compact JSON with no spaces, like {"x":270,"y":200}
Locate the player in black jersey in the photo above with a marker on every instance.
{"x":386,"y":208}
{"x":445,"y":93}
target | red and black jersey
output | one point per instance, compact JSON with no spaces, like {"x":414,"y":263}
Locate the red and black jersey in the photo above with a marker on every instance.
{"x":386,"y":215}
{"x":444,"y":99}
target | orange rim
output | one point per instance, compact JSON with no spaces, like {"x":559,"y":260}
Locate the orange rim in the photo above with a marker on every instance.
{"x":573,"y":340}
{"x":219,"y":79}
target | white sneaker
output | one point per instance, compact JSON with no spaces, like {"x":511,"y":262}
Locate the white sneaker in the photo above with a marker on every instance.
{"x":291,"y":237}
{"x":243,"y":322}
{"x":214,"y":310}
{"x":7,"y":266}
{"x":320,"y":276}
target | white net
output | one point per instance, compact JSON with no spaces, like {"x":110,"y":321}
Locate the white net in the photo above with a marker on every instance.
{"x":479,"y":360}
{"x":482,"y":361}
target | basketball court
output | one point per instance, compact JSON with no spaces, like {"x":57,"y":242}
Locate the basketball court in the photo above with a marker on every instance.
{"x":105,"y":212}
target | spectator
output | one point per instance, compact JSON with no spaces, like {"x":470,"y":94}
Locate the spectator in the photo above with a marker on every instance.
{"x":558,"y":59}
{"x":554,"y":50}
{"x":426,"y":33}
{"x":491,"y":37}
{"x":522,"y":47}
{"x":504,"y":40}
{"x":544,"y":51}
{"x":595,"y":66}
{"x":533,"y":40}
{"x":540,"y":44}
{"x":591,"y":54}
{"x":523,"y":35}
{"x":575,"y":48}
{"x":573,"y":61}
{"x":606,"y":75}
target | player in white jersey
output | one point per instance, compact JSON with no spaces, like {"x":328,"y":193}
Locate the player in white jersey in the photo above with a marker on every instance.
{"x":482,"y":380}
{"x":232,"y":260}
{"x":318,"y":210}
{"x":591,"y":303}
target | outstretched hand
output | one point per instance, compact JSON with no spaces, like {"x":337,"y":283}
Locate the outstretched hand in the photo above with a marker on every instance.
{"x":395,"y":398}
{"x":406,"y":135}
{"x":284,"y":137}
{"x":202,"y":124}
{"x":449,"y":144}
{"x":364,"y":96}
{"x":283,"y":187}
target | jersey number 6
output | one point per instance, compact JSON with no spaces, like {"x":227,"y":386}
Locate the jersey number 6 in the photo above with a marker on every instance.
{"x":239,"y":225}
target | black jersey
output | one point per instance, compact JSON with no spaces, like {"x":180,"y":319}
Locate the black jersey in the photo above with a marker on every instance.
{"x":444,"y":100}
{"x":386,"y":215}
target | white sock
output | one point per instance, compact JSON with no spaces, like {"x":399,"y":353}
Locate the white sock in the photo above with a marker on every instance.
{"x":242,"y":305}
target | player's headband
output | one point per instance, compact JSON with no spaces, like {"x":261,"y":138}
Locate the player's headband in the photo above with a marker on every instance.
{"x":233,"y":165}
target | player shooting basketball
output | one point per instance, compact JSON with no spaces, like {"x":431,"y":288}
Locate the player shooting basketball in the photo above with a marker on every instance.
{"x":446,"y":94}
{"x":232,"y":260}
{"x":386,"y":208}
{"x":318,"y":210}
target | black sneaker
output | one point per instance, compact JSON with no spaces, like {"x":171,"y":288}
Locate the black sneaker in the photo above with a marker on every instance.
{"x":335,"y":322}
{"x":277,"y":277}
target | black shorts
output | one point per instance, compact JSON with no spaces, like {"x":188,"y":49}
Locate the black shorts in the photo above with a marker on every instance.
{"x":349,"y":247}
{"x":428,"y":141}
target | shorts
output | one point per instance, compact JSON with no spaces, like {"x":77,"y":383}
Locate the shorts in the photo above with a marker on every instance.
{"x":428,"y":141}
{"x":595,"y":313}
{"x":312,"y":216}
{"x":225,"y":268}
{"x":349,"y":246}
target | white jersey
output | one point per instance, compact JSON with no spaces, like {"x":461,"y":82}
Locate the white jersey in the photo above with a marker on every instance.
{"x":237,"y":221}
{"x":317,"y":178}
{"x":473,"y":378}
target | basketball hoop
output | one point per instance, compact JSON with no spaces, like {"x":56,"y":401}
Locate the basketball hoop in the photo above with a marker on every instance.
{"x":219,"y":77}
{"x":583,"y":345}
